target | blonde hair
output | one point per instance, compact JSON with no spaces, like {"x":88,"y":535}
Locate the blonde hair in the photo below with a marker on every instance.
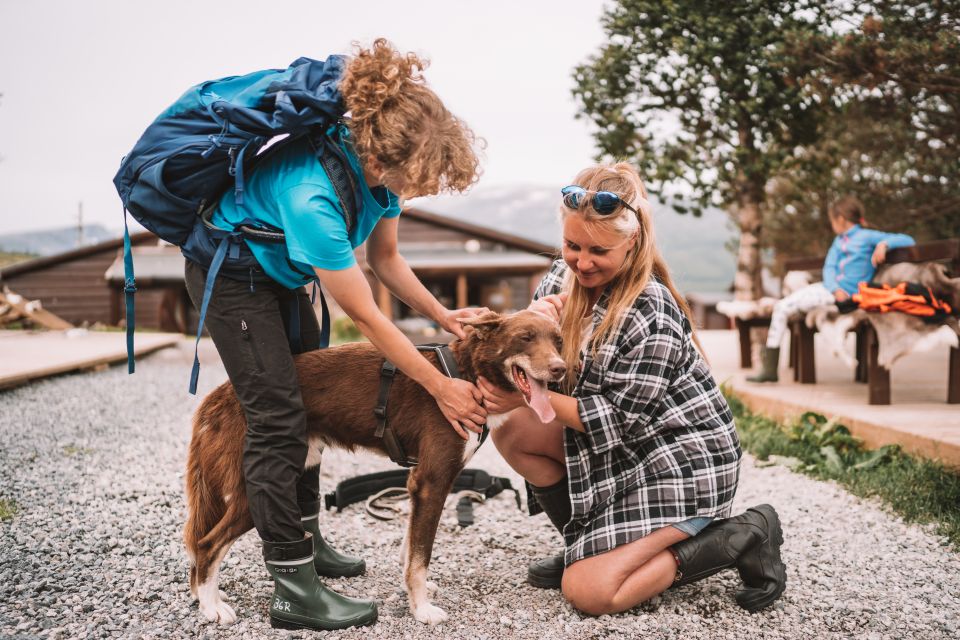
{"x":642,"y":260}
{"x":399,"y":121}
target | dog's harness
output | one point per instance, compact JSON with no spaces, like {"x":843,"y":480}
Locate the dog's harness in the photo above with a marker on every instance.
{"x":388,"y":370}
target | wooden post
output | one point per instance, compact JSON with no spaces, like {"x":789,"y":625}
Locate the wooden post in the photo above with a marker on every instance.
{"x":878,"y":378}
{"x":793,"y":331}
{"x":806,"y":370}
{"x":746,"y":357}
{"x":953,"y":377}
{"x":860,"y":375}
{"x":793,"y":353}
{"x":384,"y":301}
{"x":168,"y":311}
{"x":461,"y":290}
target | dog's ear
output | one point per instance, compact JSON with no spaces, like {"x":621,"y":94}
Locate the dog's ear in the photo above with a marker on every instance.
{"x":484,"y":324}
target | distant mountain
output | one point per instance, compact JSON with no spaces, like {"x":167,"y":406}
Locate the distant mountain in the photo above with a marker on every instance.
{"x":693,"y":247}
{"x":52,"y":241}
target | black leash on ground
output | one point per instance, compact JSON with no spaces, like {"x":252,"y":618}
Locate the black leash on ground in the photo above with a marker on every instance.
{"x":390,"y":486}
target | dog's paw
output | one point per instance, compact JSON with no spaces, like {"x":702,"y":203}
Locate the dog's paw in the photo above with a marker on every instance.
{"x":431,"y":587}
{"x":219,"y":612}
{"x":429,"y":614}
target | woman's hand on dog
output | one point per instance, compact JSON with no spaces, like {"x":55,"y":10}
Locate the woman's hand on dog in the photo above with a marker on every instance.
{"x":459,"y":401}
{"x":450,"y":319}
{"x":497,"y":400}
{"x":550,"y":306}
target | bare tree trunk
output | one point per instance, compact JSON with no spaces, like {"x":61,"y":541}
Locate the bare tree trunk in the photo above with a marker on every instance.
{"x":746,"y":283}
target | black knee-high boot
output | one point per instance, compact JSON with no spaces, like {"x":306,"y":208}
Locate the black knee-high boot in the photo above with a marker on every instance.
{"x":547,"y":573}
{"x":751,"y":543}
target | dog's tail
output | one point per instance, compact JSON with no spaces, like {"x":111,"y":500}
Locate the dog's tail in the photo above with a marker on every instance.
{"x":205,"y":507}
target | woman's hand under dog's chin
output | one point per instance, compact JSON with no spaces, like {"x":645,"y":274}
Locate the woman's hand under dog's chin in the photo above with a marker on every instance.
{"x":496,"y":400}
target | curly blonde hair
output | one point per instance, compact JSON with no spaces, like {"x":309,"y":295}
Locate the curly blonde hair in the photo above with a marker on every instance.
{"x":642,"y":261}
{"x":396,"y":119}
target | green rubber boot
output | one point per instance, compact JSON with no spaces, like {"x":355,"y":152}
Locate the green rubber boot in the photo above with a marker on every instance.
{"x":329,"y":562}
{"x":769,"y":359}
{"x":300,"y":600}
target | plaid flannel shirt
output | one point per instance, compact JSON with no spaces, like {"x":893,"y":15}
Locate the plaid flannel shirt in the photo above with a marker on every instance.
{"x":659,"y":445}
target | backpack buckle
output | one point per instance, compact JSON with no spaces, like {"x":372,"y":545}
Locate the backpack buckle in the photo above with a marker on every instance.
{"x":129,"y":285}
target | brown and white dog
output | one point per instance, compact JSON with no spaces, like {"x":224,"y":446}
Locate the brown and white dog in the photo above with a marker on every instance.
{"x":339,"y":387}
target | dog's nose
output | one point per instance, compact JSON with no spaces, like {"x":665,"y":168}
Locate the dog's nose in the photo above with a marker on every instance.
{"x":557,"y":368}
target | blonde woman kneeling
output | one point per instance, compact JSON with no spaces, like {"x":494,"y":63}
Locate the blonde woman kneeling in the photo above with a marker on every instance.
{"x":640,"y":467}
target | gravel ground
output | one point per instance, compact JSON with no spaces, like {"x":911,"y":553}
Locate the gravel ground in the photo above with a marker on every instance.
{"x":95,"y":462}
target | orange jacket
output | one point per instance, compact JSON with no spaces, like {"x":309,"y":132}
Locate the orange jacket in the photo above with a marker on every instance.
{"x":906,"y":297}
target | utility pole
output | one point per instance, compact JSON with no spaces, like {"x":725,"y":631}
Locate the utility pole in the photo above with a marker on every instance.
{"x":80,"y":224}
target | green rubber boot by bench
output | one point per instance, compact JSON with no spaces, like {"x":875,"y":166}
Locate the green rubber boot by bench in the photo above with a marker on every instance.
{"x":769,"y":359}
{"x":329,"y":562}
{"x":300,"y":600}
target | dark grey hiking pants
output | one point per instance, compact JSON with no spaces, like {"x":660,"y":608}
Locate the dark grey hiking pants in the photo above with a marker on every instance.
{"x":249,"y":331}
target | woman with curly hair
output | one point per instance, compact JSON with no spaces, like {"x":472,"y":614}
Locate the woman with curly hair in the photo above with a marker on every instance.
{"x":400,"y":142}
{"x":639,"y":470}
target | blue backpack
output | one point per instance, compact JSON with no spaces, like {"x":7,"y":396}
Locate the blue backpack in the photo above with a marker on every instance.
{"x":204,"y":143}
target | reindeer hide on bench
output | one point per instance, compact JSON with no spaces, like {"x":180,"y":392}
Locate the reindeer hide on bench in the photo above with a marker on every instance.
{"x":898,"y":334}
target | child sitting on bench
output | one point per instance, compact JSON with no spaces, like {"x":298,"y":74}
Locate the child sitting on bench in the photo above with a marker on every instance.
{"x":853,"y":258}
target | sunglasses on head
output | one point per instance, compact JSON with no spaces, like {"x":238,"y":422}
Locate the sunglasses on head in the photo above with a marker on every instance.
{"x":603,"y":202}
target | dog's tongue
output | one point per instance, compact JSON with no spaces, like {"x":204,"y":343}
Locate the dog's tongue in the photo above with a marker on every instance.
{"x":539,"y":401}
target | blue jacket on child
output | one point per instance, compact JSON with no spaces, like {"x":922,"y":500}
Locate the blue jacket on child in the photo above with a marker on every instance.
{"x":848,"y":261}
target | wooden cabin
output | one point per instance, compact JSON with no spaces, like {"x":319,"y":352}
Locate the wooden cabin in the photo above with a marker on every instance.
{"x":73,"y":286}
{"x":461,"y":264}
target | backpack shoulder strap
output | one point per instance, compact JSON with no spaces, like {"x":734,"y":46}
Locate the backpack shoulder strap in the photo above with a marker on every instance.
{"x":334,"y":162}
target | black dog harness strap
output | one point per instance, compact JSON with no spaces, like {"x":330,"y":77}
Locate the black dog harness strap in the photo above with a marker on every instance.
{"x":388,"y":371}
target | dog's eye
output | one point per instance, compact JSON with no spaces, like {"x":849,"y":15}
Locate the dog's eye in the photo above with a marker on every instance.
{"x":528,"y":337}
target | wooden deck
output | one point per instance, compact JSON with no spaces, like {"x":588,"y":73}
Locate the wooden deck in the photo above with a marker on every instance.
{"x":30,"y":355}
{"x":918,"y":418}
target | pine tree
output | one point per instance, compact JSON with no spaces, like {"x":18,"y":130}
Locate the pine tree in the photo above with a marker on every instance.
{"x":892,"y":70}
{"x":704,"y":96}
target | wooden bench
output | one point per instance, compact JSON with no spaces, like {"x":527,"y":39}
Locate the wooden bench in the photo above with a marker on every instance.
{"x":744,"y":325}
{"x":868,"y":369}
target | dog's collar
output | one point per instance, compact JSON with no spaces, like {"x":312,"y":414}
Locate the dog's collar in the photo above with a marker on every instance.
{"x":449,"y":366}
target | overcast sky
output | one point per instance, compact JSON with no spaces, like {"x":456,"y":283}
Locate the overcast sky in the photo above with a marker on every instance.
{"x":82,"y":79}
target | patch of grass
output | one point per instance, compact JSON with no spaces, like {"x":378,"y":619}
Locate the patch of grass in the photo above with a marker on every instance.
{"x":13,"y":257}
{"x":106,"y":328}
{"x":73,"y":450}
{"x":344,"y":330}
{"x":8,"y":509}
{"x":917,"y":489}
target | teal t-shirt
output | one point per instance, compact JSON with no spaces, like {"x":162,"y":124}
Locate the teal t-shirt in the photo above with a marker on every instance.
{"x":291,"y":191}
